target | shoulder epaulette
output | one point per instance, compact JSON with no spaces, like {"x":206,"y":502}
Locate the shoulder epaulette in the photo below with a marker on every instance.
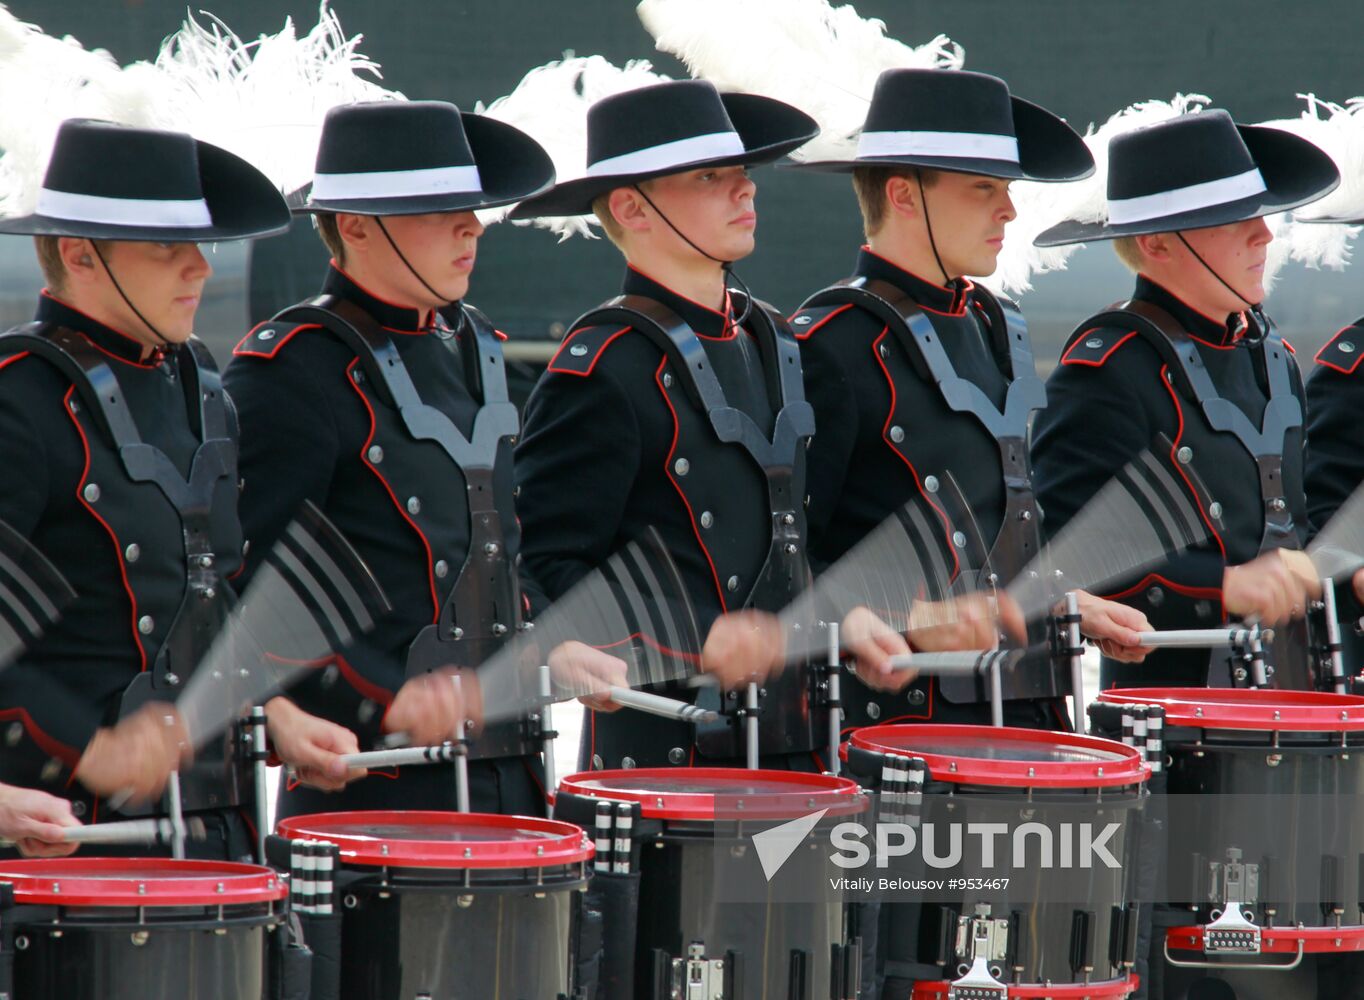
{"x":266,"y":339}
{"x":583,"y":348}
{"x":1344,"y":351}
{"x":1093,"y":348}
{"x":807,"y":321}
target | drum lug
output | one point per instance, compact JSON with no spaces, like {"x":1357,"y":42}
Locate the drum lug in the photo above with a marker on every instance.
{"x":978,"y":984}
{"x":697,"y":977}
{"x":982,"y":940}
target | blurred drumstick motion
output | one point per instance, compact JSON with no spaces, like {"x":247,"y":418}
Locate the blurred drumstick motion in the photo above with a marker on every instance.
{"x":967,"y":662}
{"x":143,"y":832}
{"x":402,"y":756}
{"x":1338,"y":548}
{"x":633,"y":606}
{"x":311,"y":597}
{"x":32,"y":594}
{"x":1140,"y":518}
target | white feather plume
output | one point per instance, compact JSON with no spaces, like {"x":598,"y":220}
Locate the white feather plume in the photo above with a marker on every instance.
{"x":44,"y":80}
{"x":263,"y":100}
{"x":1041,"y":206}
{"x":821,"y":58}
{"x":550,"y":104}
{"x":1339,"y":130}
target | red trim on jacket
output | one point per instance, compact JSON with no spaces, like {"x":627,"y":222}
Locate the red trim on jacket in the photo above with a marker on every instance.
{"x":1066,"y":359}
{"x":668,"y":471}
{"x":402,"y":509}
{"x":118,"y":547}
{"x":49,"y":745}
{"x":1209,"y":593}
{"x":885,"y":436}
{"x":1174,"y":460}
{"x":154,"y":358}
{"x":275,"y":348}
{"x":1359,"y":356}
{"x":595,"y":358}
{"x":649,"y":641}
{"x":805,"y":334}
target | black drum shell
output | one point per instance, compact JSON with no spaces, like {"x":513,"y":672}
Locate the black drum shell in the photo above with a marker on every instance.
{"x":417,"y":933}
{"x":95,"y":953}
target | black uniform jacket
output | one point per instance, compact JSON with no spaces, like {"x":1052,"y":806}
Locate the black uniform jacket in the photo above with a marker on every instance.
{"x":307,"y":434}
{"x":599,"y":463}
{"x":886,"y":436}
{"x":120,"y":544}
{"x":1335,"y":449}
{"x":1111,"y":397}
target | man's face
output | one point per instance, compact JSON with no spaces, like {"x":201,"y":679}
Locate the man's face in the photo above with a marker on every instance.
{"x":441,"y":247}
{"x":712,"y":206}
{"x":1236,"y":252}
{"x":164,"y":281}
{"x":967,"y":213}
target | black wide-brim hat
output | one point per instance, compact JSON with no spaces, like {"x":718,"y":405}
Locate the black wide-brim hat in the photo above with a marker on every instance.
{"x":1197,"y":171}
{"x":669,"y":128}
{"x":418,"y":157}
{"x":963,"y":122}
{"x":114,"y":182}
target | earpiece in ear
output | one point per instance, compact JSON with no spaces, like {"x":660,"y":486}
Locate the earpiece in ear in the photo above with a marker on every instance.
{"x":85,"y":260}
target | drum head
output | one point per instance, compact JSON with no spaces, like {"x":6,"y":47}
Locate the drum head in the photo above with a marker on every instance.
{"x":692,"y":793}
{"x":443,"y":839}
{"x":83,"y":881}
{"x":1022,"y":758}
{"x":1237,"y":708}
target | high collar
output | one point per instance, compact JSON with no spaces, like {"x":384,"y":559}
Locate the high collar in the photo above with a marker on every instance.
{"x":1218,"y":333}
{"x":392,"y":317}
{"x":707,"y":322}
{"x":949,"y":299}
{"x":112,"y":342}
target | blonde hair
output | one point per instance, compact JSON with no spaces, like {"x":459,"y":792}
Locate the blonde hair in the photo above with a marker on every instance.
{"x":330,"y":234}
{"x":1129,"y":252}
{"x":601,"y":208}
{"x":869,"y":184}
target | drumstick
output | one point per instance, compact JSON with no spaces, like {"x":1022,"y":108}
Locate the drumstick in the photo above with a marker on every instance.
{"x":960,"y":663}
{"x":147,"y":832}
{"x":401,"y":757}
{"x":1204,"y":638}
{"x":32,"y":594}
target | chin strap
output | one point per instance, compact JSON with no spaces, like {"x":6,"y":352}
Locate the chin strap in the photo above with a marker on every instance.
{"x":1252,"y":337}
{"x":726,"y":266}
{"x":129,"y":302}
{"x":408,"y":264}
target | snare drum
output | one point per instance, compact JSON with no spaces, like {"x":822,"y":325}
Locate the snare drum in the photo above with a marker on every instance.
{"x":1033,"y":935}
{"x":673,"y":827}
{"x":137,"y":928}
{"x":1266,"y":756}
{"x":448,"y":906}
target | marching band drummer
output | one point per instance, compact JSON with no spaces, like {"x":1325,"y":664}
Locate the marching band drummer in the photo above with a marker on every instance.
{"x":680,"y":407}
{"x":120,"y":456}
{"x":932,"y":173}
{"x":1192,"y":358}
{"x":384,"y":402}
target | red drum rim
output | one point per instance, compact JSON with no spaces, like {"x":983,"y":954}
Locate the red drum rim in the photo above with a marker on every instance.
{"x":1241,"y":708}
{"x":91,"y":881}
{"x":1120,"y":764}
{"x":1282,"y":940}
{"x":1112,"y":989}
{"x":393,"y":838}
{"x":774,"y":795}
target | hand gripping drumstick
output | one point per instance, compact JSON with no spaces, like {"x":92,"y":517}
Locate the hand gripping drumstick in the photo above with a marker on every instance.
{"x":146,"y":832}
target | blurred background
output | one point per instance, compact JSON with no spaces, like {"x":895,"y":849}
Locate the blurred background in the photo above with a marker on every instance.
{"x":1084,"y":59}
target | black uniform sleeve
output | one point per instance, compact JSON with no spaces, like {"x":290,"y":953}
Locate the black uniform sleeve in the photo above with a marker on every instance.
{"x":1335,"y":460}
{"x":577,"y":459}
{"x":289,"y":445}
{"x":830,"y":393}
{"x":58,"y":718}
{"x":1095,"y":423}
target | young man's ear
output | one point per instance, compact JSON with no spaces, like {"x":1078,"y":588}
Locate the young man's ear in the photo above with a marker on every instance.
{"x":627,"y":207}
{"x":354,"y":231}
{"x":1156,"y":246}
{"x":78,"y":258}
{"x":902,"y":196}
